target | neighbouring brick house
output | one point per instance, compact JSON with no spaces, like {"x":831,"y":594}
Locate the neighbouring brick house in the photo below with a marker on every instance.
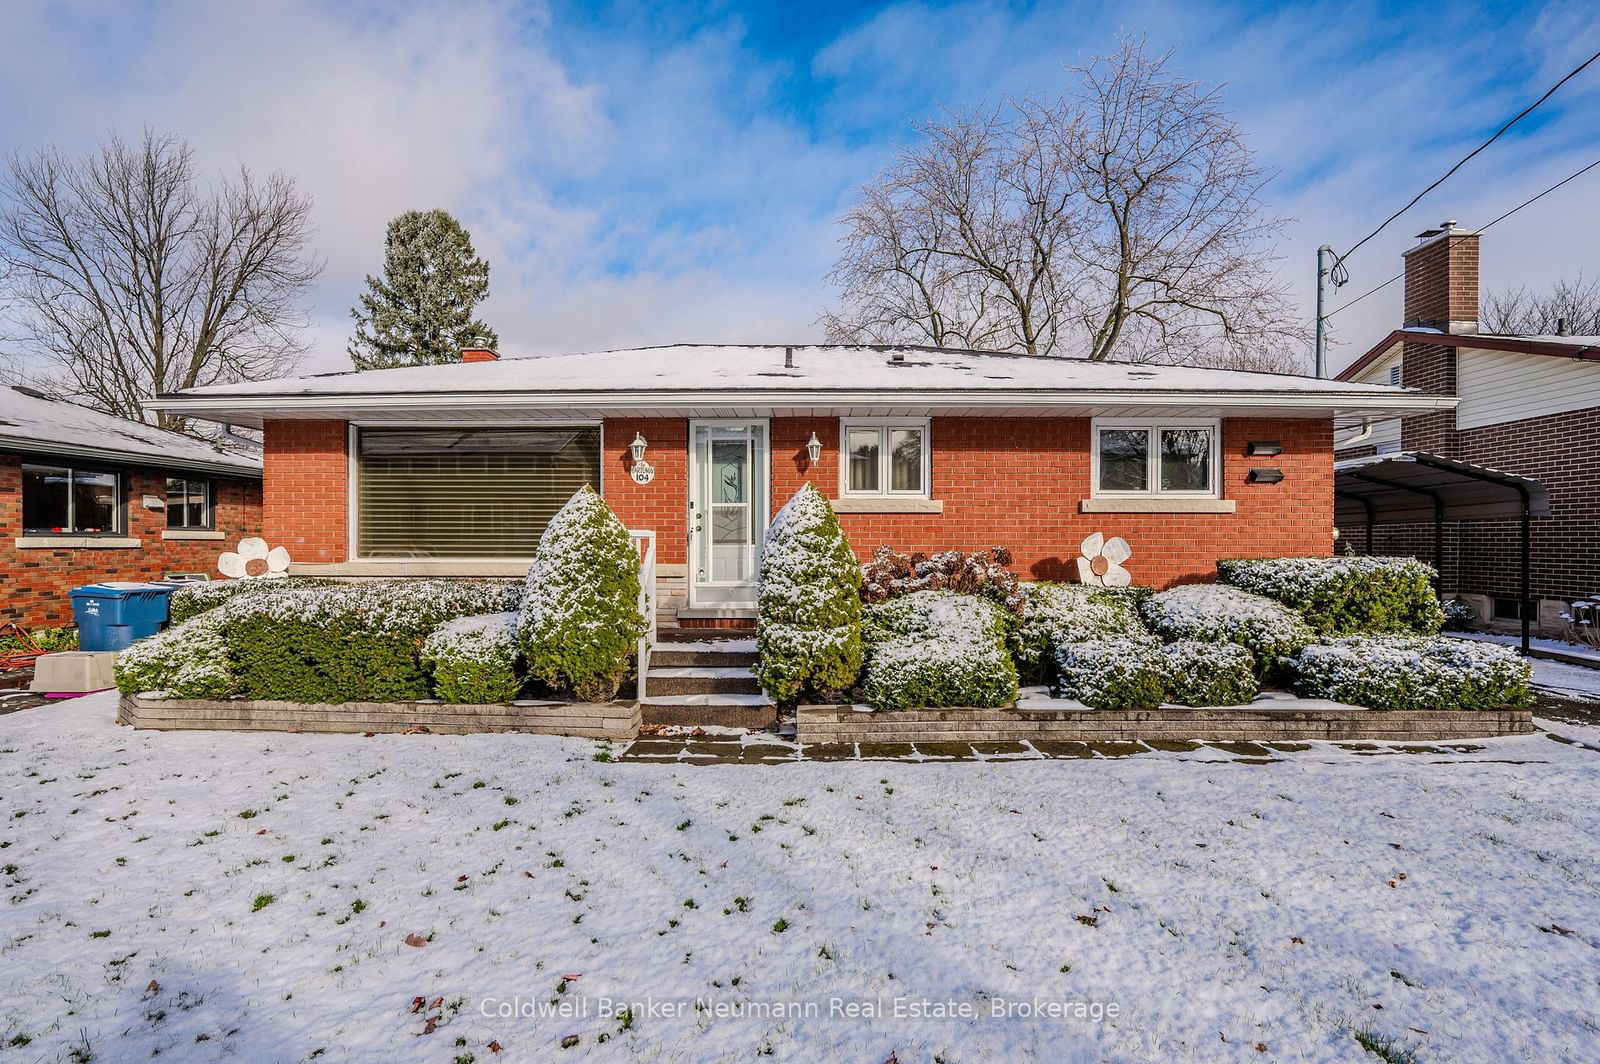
{"x":1528,"y":405}
{"x":454,"y":470}
{"x":85,"y":497}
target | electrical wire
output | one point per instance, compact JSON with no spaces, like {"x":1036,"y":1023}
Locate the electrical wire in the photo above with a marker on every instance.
{"x":1340,"y":276}
{"x":1482,"y":229}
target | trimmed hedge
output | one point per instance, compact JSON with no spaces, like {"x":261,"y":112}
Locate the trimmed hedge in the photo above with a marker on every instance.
{"x":1413,"y":672}
{"x":1208,"y":674}
{"x":937,"y":649}
{"x":196,"y":598}
{"x":808,"y":639}
{"x":190,"y":660}
{"x":1119,"y":673}
{"x":1212,"y":613}
{"x":1053,"y":614}
{"x":474,"y":660}
{"x":580,"y":614}
{"x":1345,"y":595}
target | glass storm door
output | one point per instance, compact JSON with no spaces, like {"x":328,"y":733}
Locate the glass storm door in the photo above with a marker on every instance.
{"x":727,"y":511}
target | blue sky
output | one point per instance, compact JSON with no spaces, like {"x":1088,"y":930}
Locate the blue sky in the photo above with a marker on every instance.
{"x":649,"y":172}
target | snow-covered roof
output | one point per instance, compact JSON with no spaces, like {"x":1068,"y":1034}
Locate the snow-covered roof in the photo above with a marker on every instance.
{"x":32,"y":423}
{"x":687,"y":377}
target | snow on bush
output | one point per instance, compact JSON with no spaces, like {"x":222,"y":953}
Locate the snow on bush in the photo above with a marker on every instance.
{"x":1126,"y":672}
{"x":474,"y":659}
{"x":580,"y":614}
{"x":937,"y":648}
{"x":1459,"y":616}
{"x":892,"y":573}
{"x":1345,"y":595}
{"x":193,"y":599}
{"x":1208,"y":674}
{"x":188,"y":660}
{"x":1212,"y":613}
{"x":1413,"y":672}
{"x":809,"y":635}
{"x":352,"y":642}
{"x":1054,"y":614}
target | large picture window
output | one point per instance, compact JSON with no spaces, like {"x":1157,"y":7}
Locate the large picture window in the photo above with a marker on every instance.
{"x":885,"y":458}
{"x":1155,"y":458}
{"x":69,"y":501}
{"x":466,"y":493}
{"x":189,"y":504}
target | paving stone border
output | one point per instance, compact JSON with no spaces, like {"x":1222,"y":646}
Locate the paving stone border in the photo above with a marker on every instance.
{"x":588,"y":720}
{"x":830,"y":725}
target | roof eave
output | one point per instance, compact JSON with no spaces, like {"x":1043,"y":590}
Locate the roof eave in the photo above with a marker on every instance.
{"x":47,"y":448}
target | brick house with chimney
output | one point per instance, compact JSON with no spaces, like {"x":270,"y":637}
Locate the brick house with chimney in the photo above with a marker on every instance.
{"x":454,"y":470}
{"x":86,"y":497}
{"x":1526,"y":405}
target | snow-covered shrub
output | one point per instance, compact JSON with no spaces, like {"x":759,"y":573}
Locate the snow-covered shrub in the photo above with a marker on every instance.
{"x":193,"y":599}
{"x":474,"y":659}
{"x":808,"y":638}
{"x":1345,"y":595}
{"x":1126,"y":672}
{"x":937,"y":648}
{"x":986,"y":572}
{"x":1413,"y":672}
{"x":188,"y":660}
{"x":580,"y":614}
{"x":933,"y":672}
{"x":1208,"y":674}
{"x":1459,"y":616}
{"x":1214,"y":613}
{"x":355,"y":642}
{"x":1054,"y":614}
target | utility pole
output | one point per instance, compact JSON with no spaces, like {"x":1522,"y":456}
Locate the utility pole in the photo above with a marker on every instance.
{"x":1323,"y":253}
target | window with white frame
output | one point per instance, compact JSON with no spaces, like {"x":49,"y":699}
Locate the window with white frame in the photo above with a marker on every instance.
{"x":884,"y":458}
{"x":189,"y":504}
{"x":70,"y":500}
{"x":1155,"y":457}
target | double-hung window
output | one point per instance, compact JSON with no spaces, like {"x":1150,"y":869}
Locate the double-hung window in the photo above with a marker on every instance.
{"x":71,"y":501}
{"x":189,"y":504}
{"x":885,"y":458}
{"x":1155,"y":457}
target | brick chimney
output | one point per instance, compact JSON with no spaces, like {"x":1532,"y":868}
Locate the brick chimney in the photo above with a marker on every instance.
{"x":1442,"y":280}
{"x":479,"y":354}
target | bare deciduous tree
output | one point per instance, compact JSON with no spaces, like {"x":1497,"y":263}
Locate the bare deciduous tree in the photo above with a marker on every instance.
{"x":1570,"y":307}
{"x":131,"y":278}
{"x":1120,"y":221}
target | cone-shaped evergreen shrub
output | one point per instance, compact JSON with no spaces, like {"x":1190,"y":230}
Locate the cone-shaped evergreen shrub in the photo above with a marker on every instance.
{"x":580,"y":615}
{"x":810,"y":606}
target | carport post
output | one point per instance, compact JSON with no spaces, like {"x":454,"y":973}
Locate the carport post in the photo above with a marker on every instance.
{"x":1527,"y":554}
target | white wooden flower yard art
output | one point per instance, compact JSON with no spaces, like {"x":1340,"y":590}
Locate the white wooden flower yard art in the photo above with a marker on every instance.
{"x":1101,"y":561}
{"x":253,"y":561}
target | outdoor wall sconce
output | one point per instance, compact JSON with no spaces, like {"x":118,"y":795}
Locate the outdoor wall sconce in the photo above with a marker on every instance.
{"x":813,"y":448}
{"x":1263,"y":448}
{"x":642,"y":472}
{"x":1265,"y":476}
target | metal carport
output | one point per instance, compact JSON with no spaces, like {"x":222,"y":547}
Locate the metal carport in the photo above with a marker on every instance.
{"x":1414,"y":487}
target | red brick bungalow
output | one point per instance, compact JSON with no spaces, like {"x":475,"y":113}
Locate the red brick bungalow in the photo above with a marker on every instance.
{"x":86,"y":497}
{"x":454,"y":470}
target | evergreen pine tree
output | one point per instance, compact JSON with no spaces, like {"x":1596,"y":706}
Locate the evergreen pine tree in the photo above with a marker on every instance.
{"x":420,"y":312}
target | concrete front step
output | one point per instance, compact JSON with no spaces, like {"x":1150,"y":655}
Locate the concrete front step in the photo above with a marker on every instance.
{"x":701,"y":679}
{"x":720,"y":652}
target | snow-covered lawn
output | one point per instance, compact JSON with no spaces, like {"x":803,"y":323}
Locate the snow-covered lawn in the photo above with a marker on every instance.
{"x":250,"y":897}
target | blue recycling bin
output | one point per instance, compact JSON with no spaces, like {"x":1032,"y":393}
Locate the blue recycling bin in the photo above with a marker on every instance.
{"x":112,"y":615}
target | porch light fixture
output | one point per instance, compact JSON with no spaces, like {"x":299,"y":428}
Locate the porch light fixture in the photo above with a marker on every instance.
{"x":813,"y":448}
{"x":1265,"y":476}
{"x":637,"y":446}
{"x":1263,"y":448}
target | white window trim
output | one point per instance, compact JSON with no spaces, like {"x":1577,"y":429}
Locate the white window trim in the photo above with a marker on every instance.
{"x":1153,"y":460}
{"x":884,"y":425}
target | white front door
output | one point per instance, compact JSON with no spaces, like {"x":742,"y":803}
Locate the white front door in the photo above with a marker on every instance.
{"x":727,"y":511}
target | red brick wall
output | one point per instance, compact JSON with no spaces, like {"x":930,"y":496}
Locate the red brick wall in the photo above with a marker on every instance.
{"x":306,"y":469}
{"x":1442,"y":282}
{"x":36,"y":581}
{"x":1431,"y":369}
{"x":1015,"y":482}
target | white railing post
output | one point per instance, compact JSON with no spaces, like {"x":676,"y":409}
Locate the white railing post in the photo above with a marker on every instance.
{"x":645,"y":543}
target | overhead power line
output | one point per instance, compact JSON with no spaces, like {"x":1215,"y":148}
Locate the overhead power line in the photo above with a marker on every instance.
{"x":1484,"y":228}
{"x":1340,"y":275}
